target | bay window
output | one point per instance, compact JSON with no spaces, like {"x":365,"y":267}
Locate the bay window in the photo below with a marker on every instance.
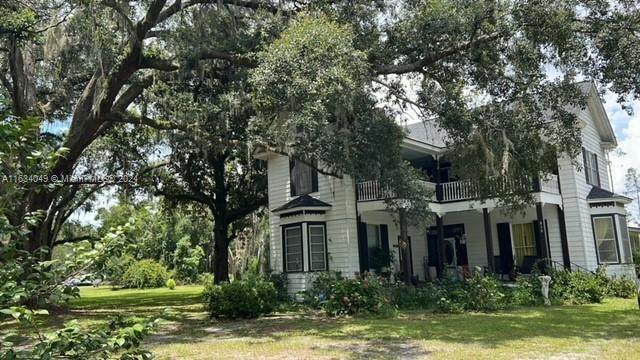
{"x":304,"y":247}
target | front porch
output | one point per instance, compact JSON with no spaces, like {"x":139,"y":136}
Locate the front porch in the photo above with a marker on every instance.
{"x":458,"y":241}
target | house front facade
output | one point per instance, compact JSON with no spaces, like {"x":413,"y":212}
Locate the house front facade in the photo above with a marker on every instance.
{"x":321,"y":223}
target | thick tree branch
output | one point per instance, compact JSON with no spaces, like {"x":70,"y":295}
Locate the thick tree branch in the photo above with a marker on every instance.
{"x":433,"y":58}
{"x":131,"y":93}
{"x":179,"y":5}
{"x":199,"y":198}
{"x":150,"y":19}
{"x":112,"y":4}
{"x":149,"y":62}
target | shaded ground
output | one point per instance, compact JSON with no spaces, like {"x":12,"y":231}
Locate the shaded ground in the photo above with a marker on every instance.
{"x":610,"y":330}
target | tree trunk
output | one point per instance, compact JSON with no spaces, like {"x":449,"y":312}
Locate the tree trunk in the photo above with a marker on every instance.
{"x":220,"y":226}
{"x":220,"y":252}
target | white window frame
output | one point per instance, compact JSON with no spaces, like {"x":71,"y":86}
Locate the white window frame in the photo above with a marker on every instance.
{"x":285,"y":250}
{"x":615,"y":238}
{"x":625,"y":240}
{"x":591,"y":168}
{"x":325,"y":262}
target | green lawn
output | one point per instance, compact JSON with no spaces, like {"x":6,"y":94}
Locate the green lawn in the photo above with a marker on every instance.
{"x":610,"y":330}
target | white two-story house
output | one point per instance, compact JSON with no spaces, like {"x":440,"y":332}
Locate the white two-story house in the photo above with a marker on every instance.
{"x":321,"y":223}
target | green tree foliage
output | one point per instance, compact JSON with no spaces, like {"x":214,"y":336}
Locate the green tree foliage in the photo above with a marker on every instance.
{"x":188,"y":260}
{"x":155,"y":229}
{"x":120,"y":339}
{"x":211,"y":165}
{"x":319,"y":80}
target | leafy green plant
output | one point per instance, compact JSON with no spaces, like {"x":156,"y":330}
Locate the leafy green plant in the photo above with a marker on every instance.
{"x":145,"y":274}
{"x":245,"y":299}
{"x":622,"y":287}
{"x":409,"y":297}
{"x":323,"y":284}
{"x":527,"y":291}
{"x":187,"y":260}
{"x":478,"y":293}
{"x":339,"y":296}
{"x":26,"y":283}
{"x":115,"y":267}
{"x":171,"y":284}
{"x":577,"y":287}
{"x":486,"y":293}
{"x":280,"y":281}
{"x":205,"y":278}
{"x":119,"y":339}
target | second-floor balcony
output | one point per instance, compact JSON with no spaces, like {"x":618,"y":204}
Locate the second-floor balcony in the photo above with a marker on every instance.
{"x":463,"y":190}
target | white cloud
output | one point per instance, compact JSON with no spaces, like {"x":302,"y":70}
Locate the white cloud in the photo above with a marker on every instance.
{"x":627,"y":129}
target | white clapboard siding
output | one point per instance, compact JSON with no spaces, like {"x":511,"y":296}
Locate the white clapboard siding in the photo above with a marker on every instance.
{"x":342,"y":241}
{"x":574,"y":194}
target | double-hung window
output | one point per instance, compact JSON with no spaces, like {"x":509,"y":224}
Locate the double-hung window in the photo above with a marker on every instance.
{"x":605,"y":234}
{"x":293,"y":256}
{"x":317,"y":247}
{"x":591,"y":167}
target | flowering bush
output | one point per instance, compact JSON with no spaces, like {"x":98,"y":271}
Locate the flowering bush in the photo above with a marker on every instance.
{"x":339,"y":296}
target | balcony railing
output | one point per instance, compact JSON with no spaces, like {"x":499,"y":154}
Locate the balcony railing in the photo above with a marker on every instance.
{"x":550,"y":185}
{"x":371,"y":190}
{"x":460,"y":190}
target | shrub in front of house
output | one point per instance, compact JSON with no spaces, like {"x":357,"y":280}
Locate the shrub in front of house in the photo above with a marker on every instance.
{"x":240,"y":299}
{"x":622,"y":287}
{"x":322,"y":285}
{"x":145,"y":274}
{"x":486,"y":293}
{"x":339,"y":296}
{"x":477,"y":293}
{"x":527,"y":291}
{"x":409,"y":297}
{"x":355,"y":296}
{"x":577,"y":287}
{"x":280,"y":282}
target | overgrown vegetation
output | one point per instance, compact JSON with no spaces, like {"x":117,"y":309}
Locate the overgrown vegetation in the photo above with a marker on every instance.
{"x":338,"y":296}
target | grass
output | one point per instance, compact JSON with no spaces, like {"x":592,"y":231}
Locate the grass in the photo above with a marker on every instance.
{"x":604,"y":331}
